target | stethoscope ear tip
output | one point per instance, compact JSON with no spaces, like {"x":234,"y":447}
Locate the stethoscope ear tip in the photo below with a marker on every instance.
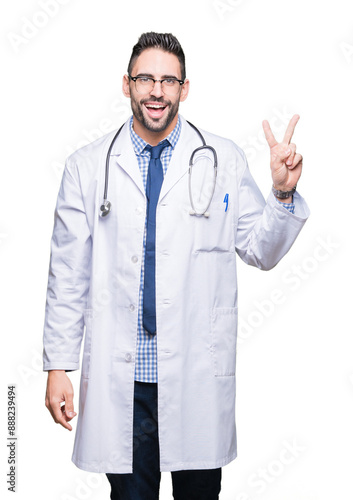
{"x":192,"y":212}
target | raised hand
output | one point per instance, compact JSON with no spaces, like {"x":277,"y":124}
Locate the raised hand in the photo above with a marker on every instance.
{"x":286,"y":163}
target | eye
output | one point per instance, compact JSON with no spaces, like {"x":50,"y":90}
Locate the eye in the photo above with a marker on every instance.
{"x":169,"y":81}
{"x":144,"y":80}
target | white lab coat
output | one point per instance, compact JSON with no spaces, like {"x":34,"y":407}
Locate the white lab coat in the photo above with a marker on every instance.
{"x":94,"y":280}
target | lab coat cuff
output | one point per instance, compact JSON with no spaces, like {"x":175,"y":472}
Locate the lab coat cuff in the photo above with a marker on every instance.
{"x":302,"y":210}
{"x":56,"y":365}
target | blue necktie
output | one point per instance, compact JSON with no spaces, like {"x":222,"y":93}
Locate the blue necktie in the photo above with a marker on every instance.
{"x":153,"y":188}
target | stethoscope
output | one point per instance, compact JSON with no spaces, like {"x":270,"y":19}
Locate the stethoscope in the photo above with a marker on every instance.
{"x":106,"y":207}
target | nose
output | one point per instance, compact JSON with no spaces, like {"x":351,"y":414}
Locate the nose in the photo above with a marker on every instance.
{"x":157,"y":89}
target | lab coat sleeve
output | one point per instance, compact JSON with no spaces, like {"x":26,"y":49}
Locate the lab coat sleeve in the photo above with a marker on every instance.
{"x":265,"y":230}
{"x":68,"y":279}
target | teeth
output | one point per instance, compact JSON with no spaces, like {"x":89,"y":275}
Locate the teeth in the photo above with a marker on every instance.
{"x":155,"y":106}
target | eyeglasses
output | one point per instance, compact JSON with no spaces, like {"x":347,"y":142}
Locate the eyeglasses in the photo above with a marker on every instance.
{"x":145,"y":84}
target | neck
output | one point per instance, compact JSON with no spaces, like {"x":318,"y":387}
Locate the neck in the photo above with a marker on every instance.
{"x":153,"y":138}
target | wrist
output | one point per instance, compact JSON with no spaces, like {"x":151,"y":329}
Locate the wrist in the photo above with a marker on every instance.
{"x":285,"y":200}
{"x":282,"y":195}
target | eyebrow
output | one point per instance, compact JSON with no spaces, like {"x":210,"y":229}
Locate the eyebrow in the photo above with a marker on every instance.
{"x":149,"y":75}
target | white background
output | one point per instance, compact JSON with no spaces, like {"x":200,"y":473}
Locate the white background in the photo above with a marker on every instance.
{"x":247,"y":60}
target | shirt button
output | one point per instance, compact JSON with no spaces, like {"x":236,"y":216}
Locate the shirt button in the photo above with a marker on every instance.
{"x":138,"y":210}
{"x":134,"y":259}
{"x":128,"y":357}
{"x":132,"y":307}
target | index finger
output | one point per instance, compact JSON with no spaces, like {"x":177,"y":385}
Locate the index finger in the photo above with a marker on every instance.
{"x":270,"y":138}
{"x":290,"y":129}
{"x":60,"y":416}
{"x":57,"y":414}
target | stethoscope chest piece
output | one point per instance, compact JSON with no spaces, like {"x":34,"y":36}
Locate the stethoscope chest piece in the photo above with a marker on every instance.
{"x":105,"y":208}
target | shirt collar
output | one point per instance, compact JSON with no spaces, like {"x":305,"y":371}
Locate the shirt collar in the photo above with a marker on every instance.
{"x":139,"y":144}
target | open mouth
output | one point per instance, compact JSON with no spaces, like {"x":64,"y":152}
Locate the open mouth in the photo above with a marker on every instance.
{"x":155,"y":109}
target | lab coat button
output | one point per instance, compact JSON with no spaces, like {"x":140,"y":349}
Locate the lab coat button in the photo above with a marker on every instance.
{"x":134,"y":259}
{"x":132,"y":307}
{"x":128,"y":357}
{"x":139,"y":210}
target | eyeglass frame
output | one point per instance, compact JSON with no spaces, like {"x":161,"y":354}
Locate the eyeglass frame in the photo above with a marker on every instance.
{"x":134,"y":78}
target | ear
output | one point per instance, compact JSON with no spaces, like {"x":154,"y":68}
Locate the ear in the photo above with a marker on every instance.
{"x":126,"y":86}
{"x":184,"y":91}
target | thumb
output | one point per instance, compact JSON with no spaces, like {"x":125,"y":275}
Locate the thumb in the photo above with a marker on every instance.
{"x":69,"y":407}
{"x":286,"y":151}
{"x":280,"y":155}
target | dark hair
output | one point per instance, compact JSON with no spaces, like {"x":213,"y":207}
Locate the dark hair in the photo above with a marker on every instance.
{"x":164,"y":41}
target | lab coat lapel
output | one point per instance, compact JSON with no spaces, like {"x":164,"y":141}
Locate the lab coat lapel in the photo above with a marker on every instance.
{"x":179,"y":163}
{"x":124,"y":156}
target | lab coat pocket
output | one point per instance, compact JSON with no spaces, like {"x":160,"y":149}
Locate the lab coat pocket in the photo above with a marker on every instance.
{"x":224,"y":339}
{"x":214,"y":233}
{"x":86,"y":357}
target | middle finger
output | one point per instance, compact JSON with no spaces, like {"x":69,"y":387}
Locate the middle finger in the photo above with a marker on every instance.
{"x":290,"y":129}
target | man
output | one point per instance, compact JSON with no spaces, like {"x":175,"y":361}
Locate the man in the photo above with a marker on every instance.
{"x":154,"y":282}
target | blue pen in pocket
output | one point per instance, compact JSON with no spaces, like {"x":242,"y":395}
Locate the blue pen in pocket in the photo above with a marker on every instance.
{"x":226,"y":201}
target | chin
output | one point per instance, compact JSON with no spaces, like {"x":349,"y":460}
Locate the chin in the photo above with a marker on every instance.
{"x":156,"y":125}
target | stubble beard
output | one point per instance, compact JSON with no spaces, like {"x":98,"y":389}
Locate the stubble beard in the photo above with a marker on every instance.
{"x":154,"y":125}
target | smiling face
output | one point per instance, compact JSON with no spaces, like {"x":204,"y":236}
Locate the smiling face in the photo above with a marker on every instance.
{"x":155,"y":114}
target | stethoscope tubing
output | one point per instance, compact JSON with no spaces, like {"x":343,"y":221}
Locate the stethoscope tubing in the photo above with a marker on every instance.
{"x":106,"y":206}
{"x":107,"y":163}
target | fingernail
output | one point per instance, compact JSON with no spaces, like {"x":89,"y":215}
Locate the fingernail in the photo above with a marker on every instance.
{"x":288,"y":152}
{"x":71,"y":414}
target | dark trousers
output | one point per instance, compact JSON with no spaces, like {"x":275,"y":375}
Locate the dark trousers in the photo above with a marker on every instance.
{"x":143,"y":483}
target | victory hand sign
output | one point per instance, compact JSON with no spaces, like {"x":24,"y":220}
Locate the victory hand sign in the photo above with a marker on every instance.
{"x":286,"y":163}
